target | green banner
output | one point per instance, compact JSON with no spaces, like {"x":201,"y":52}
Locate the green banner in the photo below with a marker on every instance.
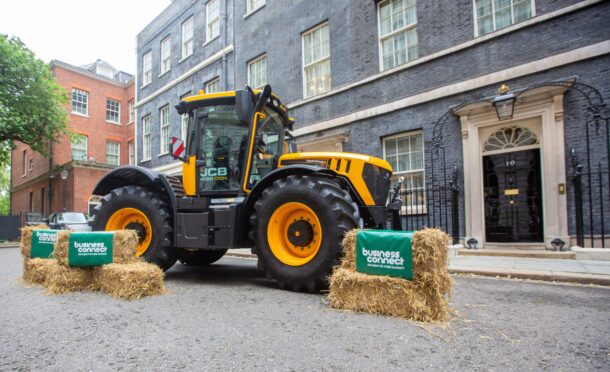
{"x":90,"y":248}
{"x":43,"y":242}
{"x":385,"y":252}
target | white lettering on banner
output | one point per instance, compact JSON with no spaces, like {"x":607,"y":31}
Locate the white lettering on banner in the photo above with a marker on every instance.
{"x":45,"y":237}
{"x":98,"y":247}
{"x":384,"y":258}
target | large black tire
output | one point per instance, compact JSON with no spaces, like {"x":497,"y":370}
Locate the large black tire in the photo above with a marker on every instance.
{"x":161,"y":250}
{"x":200,"y":257}
{"x":336,"y":212}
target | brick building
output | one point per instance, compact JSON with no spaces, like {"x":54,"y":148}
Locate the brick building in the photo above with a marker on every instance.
{"x":414,"y":82}
{"x":101,"y":114}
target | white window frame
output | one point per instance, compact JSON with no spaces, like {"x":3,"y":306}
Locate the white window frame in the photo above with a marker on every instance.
{"x":254,"y":5}
{"x":146,"y":138}
{"x":213,"y":23}
{"x":318,"y":61}
{"x":132,"y":112}
{"x":117,"y":155}
{"x":188,"y":41}
{"x":184,"y":120}
{"x":381,"y":38}
{"x":253,"y":62}
{"x":164,"y":130}
{"x":493,"y":5}
{"x":118,"y":111}
{"x":131,"y":152}
{"x":416,"y":208}
{"x":146,"y":68}
{"x":85,"y":103}
{"x":86,"y":147}
{"x":213,"y":83}
{"x":166,"y":55}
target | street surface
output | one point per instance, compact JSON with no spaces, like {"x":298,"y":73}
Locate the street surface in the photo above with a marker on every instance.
{"x":229,"y":317}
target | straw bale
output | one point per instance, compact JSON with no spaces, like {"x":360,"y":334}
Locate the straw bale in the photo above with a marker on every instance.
{"x":35,"y":270}
{"x":129,"y":281}
{"x":26,"y":238}
{"x":382,"y":295}
{"x":349,"y":250}
{"x":124,"y":245}
{"x":63,"y":279}
{"x":429,"y":250}
{"x":425,"y":298}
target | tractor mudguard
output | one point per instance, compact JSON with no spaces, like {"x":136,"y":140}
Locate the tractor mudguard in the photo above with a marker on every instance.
{"x":160,"y":183}
{"x":297,"y":169}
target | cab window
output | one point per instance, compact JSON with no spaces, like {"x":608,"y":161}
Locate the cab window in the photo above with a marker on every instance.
{"x":268,"y":146}
{"x":222,"y":146}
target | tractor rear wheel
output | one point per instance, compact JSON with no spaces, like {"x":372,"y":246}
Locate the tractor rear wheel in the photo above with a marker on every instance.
{"x":298,"y":225}
{"x":200,"y":257}
{"x":137,"y":208}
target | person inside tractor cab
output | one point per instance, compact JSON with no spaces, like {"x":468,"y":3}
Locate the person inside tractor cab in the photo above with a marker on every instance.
{"x":220,"y":150}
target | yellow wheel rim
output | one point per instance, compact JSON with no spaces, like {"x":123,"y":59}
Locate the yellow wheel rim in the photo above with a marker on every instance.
{"x":294,"y":234}
{"x":133,"y":219}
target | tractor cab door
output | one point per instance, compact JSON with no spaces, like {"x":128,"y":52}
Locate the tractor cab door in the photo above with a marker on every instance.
{"x":269,"y":146}
{"x":221,"y":145}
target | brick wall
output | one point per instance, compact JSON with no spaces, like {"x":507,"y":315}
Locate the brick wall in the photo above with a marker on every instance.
{"x":82,"y":177}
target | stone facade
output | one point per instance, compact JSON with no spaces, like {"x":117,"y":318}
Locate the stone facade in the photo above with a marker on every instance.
{"x":562,"y":40}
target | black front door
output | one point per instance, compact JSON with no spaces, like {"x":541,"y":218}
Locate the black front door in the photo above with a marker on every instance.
{"x":513,"y":197}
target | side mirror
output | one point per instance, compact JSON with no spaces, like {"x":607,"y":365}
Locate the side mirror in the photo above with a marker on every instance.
{"x":292,"y":147}
{"x":177,"y":149}
{"x":45,"y":221}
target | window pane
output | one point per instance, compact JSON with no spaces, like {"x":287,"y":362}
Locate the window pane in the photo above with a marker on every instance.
{"x":79,"y":148}
{"x":503,"y":18}
{"x":522,"y":11}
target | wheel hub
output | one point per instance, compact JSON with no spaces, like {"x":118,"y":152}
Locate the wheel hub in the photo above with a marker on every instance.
{"x":300,"y":233}
{"x":138,"y":228}
{"x":133,"y":219}
{"x":294,"y":234}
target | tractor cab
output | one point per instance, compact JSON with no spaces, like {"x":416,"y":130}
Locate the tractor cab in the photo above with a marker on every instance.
{"x":232,"y":141}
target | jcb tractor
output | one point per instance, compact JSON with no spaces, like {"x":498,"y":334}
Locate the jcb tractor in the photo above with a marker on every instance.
{"x":243,"y":185}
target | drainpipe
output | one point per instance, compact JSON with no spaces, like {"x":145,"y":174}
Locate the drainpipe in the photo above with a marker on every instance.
{"x":10,"y":188}
{"x":225,"y":18}
{"x":50,"y":187}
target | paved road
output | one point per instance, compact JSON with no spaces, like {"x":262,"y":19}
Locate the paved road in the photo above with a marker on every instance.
{"x":229,"y":317}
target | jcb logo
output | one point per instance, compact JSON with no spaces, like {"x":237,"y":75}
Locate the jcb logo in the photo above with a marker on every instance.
{"x":213,"y":172}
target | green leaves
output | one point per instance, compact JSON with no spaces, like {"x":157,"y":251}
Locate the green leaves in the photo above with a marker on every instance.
{"x":32,"y":104}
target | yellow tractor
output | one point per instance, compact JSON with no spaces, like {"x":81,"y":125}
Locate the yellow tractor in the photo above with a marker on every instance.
{"x":244,"y":185}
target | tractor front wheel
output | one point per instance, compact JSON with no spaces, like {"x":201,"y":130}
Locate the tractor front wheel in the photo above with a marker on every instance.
{"x":298,"y":225}
{"x":137,"y":208}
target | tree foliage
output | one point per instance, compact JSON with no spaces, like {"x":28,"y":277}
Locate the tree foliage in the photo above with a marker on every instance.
{"x":32,"y":104}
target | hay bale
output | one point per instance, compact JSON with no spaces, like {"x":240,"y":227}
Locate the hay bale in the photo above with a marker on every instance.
{"x":124,"y":244}
{"x":35,"y":270}
{"x":425,"y":298}
{"x":64,"y":279}
{"x":349,"y":250}
{"x":429,"y":251}
{"x":26,"y":238}
{"x":383,"y":295}
{"x":129,"y":281}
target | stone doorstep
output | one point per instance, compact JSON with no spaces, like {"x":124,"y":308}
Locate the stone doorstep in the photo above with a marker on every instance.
{"x":543,"y":275}
{"x":592,"y":254}
{"x":568,"y":255}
